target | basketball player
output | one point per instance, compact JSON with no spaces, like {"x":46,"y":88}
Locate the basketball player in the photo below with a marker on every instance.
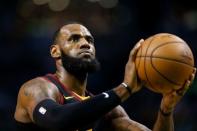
{"x":60,"y":101}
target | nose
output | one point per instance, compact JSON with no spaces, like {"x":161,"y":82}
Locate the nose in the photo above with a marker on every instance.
{"x":84,"y":44}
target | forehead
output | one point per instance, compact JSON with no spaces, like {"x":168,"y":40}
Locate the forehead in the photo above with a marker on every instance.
{"x":70,"y":29}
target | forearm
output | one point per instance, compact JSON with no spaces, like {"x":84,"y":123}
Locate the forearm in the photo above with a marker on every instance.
{"x":75,"y":115}
{"x":126,"y":124}
{"x":164,"y":122}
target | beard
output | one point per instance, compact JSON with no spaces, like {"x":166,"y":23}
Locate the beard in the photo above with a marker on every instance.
{"x":79,"y":66}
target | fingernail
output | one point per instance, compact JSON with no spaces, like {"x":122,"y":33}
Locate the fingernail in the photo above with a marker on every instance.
{"x":141,"y":40}
{"x":194,"y":70}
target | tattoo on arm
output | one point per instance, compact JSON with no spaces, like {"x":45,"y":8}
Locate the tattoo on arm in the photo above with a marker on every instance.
{"x":26,"y":93}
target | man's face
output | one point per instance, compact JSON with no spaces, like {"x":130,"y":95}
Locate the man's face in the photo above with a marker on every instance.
{"x":76,"y":41}
{"x":77,"y":49}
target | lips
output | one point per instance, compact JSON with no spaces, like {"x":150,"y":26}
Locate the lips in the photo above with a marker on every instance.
{"x":86,"y":52}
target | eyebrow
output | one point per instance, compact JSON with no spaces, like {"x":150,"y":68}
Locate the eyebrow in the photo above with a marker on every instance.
{"x":79,"y":35}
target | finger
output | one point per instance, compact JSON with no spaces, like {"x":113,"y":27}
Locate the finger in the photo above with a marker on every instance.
{"x":192,"y":76}
{"x":191,"y":79}
{"x":186,"y":86}
{"x":194,"y":71}
{"x":183,"y":90}
{"x":136,"y":48}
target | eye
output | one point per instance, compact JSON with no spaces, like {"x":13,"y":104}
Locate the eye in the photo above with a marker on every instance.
{"x":90,"y":39}
{"x":75,"y":38}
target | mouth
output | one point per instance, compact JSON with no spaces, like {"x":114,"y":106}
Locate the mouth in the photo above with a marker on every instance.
{"x":86,"y":53}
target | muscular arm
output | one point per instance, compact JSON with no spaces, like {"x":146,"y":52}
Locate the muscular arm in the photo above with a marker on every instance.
{"x":169,"y":101}
{"x":122,"y":122}
{"x":164,"y":122}
{"x":36,"y":95}
{"x":30,"y":94}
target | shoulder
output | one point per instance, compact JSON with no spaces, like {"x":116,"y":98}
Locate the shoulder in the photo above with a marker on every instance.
{"x":38,"y":89}
{"x":30,"y":94}
{"x":34,"y":85}
{"x":36,"y":82}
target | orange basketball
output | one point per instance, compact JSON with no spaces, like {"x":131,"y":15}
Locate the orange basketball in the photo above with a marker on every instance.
{"x":164,"y":62}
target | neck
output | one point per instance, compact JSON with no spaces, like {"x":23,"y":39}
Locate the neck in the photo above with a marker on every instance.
{"x":76,"y":83}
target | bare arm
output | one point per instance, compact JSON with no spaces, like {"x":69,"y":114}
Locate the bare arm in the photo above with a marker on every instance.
{"x":34,"y":95}
{"x":164,"y":120}
{"x":122,"y":122}
{"x":120,"y":119}
{"x":126,"y":124}
{"x":30,"y":94}
{"x":164,"y":123}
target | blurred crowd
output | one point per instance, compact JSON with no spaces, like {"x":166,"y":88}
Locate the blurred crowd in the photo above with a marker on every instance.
{"x":27,"y":28}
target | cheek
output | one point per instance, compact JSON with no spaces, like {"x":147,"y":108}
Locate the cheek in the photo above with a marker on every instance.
{"x":93,"y":49}
{"x":72,"y":53}
{"x":69,"y":49}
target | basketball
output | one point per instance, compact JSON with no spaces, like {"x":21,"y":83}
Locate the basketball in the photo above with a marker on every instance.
{"x":164,"y":62}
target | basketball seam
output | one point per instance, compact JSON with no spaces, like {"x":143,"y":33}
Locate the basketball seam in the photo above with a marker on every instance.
{"x":139,"y":59}
{"x":170,"y":59}
{"x":166,"y":43}
{"x":164,"y":75}
{"x":172,"y":42}
{"x":145,"y":65}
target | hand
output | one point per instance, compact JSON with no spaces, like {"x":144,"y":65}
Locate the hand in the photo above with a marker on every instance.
{"x":170,"y":100}
{"x":130,"y":77}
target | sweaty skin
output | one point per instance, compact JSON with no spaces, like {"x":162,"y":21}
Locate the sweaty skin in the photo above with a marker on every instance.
{"x":75,"y":40}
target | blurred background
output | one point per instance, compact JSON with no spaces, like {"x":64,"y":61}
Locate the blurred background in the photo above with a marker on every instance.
{"x":27,"y":28}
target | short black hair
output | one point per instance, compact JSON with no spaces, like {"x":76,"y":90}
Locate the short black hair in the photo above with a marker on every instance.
{"x":56,"y":33}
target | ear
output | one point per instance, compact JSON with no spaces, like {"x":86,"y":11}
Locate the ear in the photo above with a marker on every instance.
{"x":55,"y":51}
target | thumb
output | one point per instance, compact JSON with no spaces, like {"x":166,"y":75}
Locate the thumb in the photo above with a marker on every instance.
{"x":135,"y":49}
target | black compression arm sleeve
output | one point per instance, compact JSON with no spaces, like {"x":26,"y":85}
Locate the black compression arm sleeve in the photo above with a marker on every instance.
{"x":50,"y":114}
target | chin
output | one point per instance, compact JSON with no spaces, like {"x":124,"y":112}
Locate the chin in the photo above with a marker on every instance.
{"x":86,"y":59}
